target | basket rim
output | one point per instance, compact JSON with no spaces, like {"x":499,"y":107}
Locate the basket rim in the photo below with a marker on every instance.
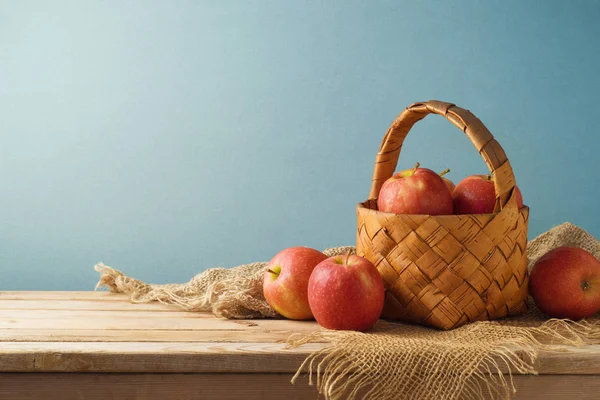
{"x":361,"y":205}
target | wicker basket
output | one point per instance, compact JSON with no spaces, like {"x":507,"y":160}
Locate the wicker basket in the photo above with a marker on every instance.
{"x":448,"y":270}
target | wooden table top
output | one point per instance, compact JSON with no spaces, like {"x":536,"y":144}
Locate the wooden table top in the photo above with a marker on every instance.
{"x":114,"y":349}
{"x":104,"y":332}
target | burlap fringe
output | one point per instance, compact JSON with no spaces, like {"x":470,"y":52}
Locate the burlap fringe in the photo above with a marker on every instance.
{"x":234,"y":293}
{"x":224,"y":292}
{"x":472,"y":362}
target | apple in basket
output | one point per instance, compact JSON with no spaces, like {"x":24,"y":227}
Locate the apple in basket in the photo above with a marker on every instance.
{"x":346,"y":292}
{"x":415,"y":191}
{"x":285,"y":282}
{"x":565,"y":283}
{"x":476,"y":195}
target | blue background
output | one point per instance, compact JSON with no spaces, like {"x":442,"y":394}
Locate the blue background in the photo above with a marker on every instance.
{"x":165,"y":137}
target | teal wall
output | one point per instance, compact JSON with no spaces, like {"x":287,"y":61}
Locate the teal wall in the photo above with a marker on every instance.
{"x":165,"y":137}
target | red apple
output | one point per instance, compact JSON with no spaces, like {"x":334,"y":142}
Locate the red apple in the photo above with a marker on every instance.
{"x":565,"y":283}
{"x":285,"y":283}
{"x":415,"y":191}
{"x":476,"y":195}
{"x":346,"y":292}
{"x":449,"y":184}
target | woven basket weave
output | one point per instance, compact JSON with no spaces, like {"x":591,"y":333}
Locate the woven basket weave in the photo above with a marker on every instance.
{"x":448,"y":270}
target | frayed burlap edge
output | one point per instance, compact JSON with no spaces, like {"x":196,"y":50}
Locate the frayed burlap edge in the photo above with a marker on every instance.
{"x":404,"y":361}
{"x":234,"y":293}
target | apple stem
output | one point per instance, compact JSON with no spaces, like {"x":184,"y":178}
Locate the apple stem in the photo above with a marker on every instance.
{"x":272,"y":272}
{"x":347,"y":256}
{"x":444,"y":172}
{"x":416,"y":167}
{"x":488,"y":177}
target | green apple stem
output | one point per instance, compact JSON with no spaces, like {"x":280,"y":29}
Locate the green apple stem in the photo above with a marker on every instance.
{"x":347,"y":256}
{"x":416,"y":167}
{"x":444,"y":172}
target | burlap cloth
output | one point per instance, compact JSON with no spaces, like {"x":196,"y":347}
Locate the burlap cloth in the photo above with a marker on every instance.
{"x":394,"y":360}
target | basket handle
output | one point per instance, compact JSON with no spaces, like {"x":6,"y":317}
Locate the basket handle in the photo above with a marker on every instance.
{"x":480,"y":136}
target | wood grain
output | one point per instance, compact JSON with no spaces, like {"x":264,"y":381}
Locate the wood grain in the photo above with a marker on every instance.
{"x":89,"y":304}
{"x":153,"y":387}
{"x":234,"y":386}
{"x":141,"y":320}
{"x":63,"y":295}
{"x":92,"y":345}
{"x":190,"y":357}
{"x":151,"y":357}
{"x":571,"y":360}
{"x":154,"y":335}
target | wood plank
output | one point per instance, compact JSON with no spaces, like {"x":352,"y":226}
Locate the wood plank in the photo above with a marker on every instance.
{"x":549,"y":387}
{"x":17,"y":386}
{"x":92,"y":314}
{"x":570,"y":360}
{"x":152,"y":387}
{"x":95,"y":305}
{"x":155,"y":335}
{"x":104,"y":332}
{"x":142,"y":320}
{"x":63,"y":295}
{"x":152,"y":357}
{"x":192,"y":357}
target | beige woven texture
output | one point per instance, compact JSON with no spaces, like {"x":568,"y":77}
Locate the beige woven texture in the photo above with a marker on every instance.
{"x":235,"y":293}
{"x":394,"y":360}
{"x":447,"y":270}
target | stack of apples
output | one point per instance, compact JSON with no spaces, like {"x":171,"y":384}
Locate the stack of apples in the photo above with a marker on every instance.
{"x":423,"y":191}
{"x":343,"y":292}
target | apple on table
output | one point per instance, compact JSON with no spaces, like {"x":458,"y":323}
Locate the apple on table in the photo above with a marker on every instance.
{"x":285,"y":283}
{"x":346,"y":292}
{"x":565,"y":283}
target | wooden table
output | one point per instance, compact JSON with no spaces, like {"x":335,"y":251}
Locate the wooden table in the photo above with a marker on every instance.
{"x":96,"y":345}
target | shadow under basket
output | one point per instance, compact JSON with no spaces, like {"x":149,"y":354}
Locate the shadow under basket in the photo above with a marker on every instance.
{"x":445,"y":271}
